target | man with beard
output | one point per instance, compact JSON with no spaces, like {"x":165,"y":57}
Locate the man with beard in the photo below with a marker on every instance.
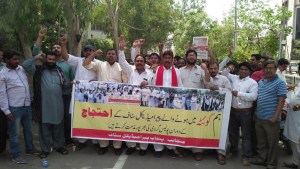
{"x":15,"y":104}
{"x":108,"y":71}
{"x":220,"y":82}
{"x":244,"y":93}
{"x":80,"y":74}
{"x":48,"y":102}
{"x":136,"y":75}
{"x":194,"y":76}
{"x":68,"y":77}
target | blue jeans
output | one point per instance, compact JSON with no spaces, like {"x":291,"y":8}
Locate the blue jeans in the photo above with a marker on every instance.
{"x":22,"y":115}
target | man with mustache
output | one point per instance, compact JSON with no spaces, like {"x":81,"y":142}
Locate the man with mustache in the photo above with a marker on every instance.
{"x":48,"y":102}
{"x":220,"y":82}
{"x":244,"y":93}
{"x":167,"y":76}
{"x":15,"y":106}
{"x":194,"y":76}
{"x":136,"y":75}
{"x":108,"y":71}
{"x":270,"y":101}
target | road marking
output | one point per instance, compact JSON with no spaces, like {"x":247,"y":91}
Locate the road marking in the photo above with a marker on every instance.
{"x":120,"y":162}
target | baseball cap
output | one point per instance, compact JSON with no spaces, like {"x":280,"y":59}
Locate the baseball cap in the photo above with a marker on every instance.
{"x":88,"y":47}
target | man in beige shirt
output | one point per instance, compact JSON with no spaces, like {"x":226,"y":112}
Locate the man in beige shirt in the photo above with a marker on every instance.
{"x":194,"y":76}
{"x":108,"y":71}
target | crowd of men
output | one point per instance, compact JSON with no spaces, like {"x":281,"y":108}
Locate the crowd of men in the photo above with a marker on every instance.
{"x":258,"y":89}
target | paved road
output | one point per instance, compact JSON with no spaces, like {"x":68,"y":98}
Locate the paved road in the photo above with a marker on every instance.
{"x":89,"y":159}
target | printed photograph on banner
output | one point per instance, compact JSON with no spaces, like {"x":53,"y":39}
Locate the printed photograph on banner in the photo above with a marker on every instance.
{"x":182,"y":98}
{"x":107,"y":93}
{"x":200,"y":43}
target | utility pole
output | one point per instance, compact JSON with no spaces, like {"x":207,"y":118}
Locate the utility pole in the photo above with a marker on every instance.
{"x":235,"y":25}
{"x":281,"y":36}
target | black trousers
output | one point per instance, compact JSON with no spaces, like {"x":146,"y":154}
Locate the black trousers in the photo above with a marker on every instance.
{"x":3,"y":131}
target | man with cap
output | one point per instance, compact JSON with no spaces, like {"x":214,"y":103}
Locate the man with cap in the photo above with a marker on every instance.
{"x":80,"y":74}
{"x":244,"y":93}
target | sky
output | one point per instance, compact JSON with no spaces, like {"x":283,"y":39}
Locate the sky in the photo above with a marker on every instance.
{"x":217,"y":8}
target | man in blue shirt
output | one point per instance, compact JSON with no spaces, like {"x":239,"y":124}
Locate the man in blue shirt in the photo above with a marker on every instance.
{"x":271,"y":96}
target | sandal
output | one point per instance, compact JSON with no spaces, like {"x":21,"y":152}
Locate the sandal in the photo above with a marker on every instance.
{"x":44,"y":154}
{"x":62,"y":151}
{"x":221,"y":159}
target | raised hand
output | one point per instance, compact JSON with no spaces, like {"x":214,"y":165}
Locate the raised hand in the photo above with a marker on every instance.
{"x":98,"y":52}
{"x":40,"y":56}
{"x":63,"y":40}
{"x":187,"y":45}
{"x":134,"y":44}
{"x":140,"y":42}
{"x":122,"y":43}
{"x":231,"y":50}
{"x":43,"y":31}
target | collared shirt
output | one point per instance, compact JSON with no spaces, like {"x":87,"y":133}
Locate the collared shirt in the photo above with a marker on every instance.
{"x":247,"y":90}
{"x":167,"y":80}
{"x":68,"y":76}
{"x":133,"y":76}
{"x":268,"y":93}
{"x":2,"y":65}
{"x":81,"y":73}
{"x":221,"y":81}
{"x":258,"y":75}
{"x":194,"y":78}
{"x":14,"y":89}
{"x":281,"y":75}
{"x":106,"y":72}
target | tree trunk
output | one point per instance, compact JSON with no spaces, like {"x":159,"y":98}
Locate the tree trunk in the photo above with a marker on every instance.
{"x":73,"y":25}
{"x":114,"y":16}
{"x":25,"y":47}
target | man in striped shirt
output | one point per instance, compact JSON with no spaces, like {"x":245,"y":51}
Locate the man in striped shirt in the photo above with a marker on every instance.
{"x":271,"y":95}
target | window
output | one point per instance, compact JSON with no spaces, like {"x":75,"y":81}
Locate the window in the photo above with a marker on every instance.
{"x":297,"y":32}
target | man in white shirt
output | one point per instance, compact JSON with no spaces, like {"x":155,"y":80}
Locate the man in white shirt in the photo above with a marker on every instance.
{"x":167,"y":76}
{"x":283,"y":64}
{"x":15,"y":103}
{"x":80,"y":74}
{"x":108,"y":71}
{"x":136,"y":75}
{"x":222,"y":83}
{"x":244,"y":94}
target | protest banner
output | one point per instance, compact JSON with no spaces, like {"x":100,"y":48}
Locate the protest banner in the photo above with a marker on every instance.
{"x":164,"y":115}
{"x":200,"y":43}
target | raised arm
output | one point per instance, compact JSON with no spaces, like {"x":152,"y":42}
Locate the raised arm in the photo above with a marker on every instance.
{"x":227,"y":59}
{"x":37,"y":45}
{"x":63,"y":44}
{"x":126,"y":67}
{"x":28,"y":64}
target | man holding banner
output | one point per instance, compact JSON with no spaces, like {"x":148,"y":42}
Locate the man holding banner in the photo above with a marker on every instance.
{"x":167,"y":76}
{"x":194,"y":76}
{"x":136,"y":75}
{"x":108,"y":71}
{"x":220,"y":82}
